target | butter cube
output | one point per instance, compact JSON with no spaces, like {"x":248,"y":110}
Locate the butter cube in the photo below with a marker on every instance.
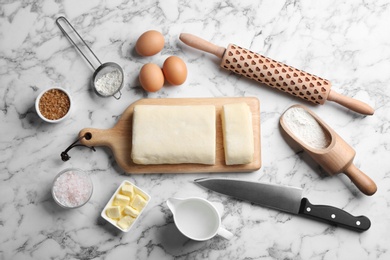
{"x":128,"y":190}
{"x":138,"y":202}
{"x":121,"y":200}
{"x":113,"y":212}
{"x":131,"y":211}
{"x":125,"y":222}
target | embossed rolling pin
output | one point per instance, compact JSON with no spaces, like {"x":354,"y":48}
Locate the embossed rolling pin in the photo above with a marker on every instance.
{"x":276,"y":74}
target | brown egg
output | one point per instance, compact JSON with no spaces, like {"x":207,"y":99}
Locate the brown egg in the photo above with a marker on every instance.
{"x":150,"y":43}
{"x":151,"y":77}
{"x":175,"y":70}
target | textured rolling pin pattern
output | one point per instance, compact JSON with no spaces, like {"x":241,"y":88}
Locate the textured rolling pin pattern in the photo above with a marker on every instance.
{"x":276,"y":74}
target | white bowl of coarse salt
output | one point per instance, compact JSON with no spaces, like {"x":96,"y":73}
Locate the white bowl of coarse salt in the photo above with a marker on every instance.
{"x":72,"y":188}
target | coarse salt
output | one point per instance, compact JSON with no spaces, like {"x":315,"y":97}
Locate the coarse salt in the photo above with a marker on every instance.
{"x":72,"y":188}
{"x":109,"y":83}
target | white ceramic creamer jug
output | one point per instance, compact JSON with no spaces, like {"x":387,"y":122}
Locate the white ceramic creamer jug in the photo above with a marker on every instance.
{"x":197,"y":218}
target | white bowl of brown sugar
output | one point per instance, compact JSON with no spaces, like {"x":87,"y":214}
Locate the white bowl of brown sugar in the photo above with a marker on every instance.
{"x":53,"y":105}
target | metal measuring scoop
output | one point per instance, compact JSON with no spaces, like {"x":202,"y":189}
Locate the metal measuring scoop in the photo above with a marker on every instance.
{"x":107,"y":80}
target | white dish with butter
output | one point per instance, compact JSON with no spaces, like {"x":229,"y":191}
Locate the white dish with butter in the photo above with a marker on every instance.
{"x":125,"y":206}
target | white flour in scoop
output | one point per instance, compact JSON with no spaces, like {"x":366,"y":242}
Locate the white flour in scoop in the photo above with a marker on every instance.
{"x":109,"y":83}
{"x":304,"y":126}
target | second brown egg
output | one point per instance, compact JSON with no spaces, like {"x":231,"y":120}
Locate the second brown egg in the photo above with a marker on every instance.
{"x":175,"y":70}
{"x":151,"y":77}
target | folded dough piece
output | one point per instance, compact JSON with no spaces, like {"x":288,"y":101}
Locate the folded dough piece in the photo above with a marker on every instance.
{"x":173,"y":134}
{"x":237,"y":133}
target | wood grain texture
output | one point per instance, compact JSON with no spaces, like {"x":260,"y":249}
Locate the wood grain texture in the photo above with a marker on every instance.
{"x":276,"y":74}
{"x":119,"y":138}
{"x":336,"y":158}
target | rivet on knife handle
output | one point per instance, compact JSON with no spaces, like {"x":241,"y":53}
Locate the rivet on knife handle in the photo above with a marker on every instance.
{"x":276,"y":74}
{"x":334,"y":216}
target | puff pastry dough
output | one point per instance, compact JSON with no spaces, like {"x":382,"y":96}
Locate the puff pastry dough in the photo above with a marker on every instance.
{"x":237,"y":133}
{"x":173,"y":134}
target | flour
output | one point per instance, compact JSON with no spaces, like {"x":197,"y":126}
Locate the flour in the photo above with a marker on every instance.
{"x":304,"y":126}
{"x":109,"y":83}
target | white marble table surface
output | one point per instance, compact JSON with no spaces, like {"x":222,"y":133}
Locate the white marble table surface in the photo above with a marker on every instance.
{"x":346,"y":42}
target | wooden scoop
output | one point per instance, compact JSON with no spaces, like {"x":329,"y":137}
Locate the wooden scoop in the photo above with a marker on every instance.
{"x":336,"y":157}
{"x":276,"y":74}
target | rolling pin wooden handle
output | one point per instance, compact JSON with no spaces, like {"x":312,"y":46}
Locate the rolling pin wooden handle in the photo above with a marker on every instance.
{"x":364,"y":183}
{"x":353,"y":104}
{"x":95,"y":137}
{"x":201,"y":44}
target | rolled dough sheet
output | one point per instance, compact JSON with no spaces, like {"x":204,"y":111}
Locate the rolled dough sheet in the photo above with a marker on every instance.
{"x":237,"y":133}
{"x":174,"y":134}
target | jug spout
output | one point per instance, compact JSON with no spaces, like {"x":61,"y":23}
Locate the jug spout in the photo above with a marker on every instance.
{"x":173,"y":203}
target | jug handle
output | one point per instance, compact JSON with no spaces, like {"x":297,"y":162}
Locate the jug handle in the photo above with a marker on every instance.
{"x":225,"y":233}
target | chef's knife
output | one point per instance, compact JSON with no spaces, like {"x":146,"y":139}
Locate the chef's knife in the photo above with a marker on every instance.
{"x":284,"y":198}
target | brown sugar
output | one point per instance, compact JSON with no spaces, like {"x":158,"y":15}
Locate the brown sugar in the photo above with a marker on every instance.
{"x":54,"y":104}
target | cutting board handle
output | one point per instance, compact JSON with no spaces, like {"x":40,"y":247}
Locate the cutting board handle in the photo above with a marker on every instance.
{"x":95,"y":137}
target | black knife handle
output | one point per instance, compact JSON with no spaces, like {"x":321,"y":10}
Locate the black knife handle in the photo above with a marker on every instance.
{"x":334,"y":216}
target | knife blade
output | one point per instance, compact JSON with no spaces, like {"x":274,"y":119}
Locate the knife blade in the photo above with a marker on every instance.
{"x":284,"y":198}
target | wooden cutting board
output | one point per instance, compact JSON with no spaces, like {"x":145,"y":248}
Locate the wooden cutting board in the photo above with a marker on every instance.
{"x":119,"y":138}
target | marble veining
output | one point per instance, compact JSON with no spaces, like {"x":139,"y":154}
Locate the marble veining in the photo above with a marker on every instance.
{"x":346,"y":42}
